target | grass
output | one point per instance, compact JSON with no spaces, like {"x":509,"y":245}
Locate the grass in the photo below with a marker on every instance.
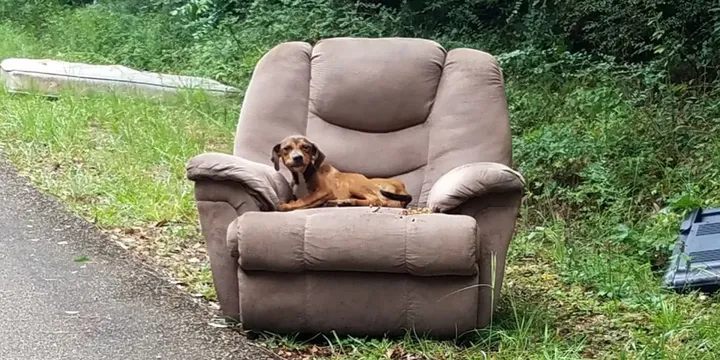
{"x":613,"y":159}
{"x":119,"y":162}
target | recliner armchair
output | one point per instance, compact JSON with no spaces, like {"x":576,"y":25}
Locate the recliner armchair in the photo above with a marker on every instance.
{"x":385,"y":107}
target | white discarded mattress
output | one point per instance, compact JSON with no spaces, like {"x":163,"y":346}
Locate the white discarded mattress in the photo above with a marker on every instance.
{"x":52,"y":77}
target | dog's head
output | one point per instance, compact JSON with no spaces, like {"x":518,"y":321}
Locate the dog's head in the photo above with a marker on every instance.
{"x":297,"y":154}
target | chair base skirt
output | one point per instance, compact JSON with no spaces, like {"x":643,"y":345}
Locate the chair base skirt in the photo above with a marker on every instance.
{"x":358,"y":303}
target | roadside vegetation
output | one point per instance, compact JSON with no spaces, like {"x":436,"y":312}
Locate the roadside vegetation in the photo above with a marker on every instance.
{"x":614,"y":109}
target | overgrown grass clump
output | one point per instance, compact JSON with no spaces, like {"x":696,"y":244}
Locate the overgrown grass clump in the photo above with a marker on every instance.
{"x":613,"y":155}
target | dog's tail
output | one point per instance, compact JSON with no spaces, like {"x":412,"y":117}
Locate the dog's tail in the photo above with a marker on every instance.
{"x":398,"y":197}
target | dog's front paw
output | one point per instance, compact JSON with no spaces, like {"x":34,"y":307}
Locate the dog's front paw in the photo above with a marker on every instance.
{"x":344,"y":203}
{"x":285,"y":207}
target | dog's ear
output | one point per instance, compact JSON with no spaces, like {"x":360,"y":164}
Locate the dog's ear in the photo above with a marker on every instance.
{"x":318,"y":156}
{"x":275,"y":158}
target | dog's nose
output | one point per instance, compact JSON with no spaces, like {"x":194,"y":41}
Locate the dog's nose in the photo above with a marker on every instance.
{"x":297,"y":159}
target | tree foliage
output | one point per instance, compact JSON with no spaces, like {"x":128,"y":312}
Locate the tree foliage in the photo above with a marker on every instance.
{"x":684,"y":34}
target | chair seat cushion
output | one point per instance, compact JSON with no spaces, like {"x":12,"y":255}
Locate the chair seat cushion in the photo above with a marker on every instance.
{"x":356,"y":239}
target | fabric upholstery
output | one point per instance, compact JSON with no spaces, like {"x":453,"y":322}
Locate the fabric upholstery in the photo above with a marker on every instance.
{"x":495,"y":214}
{"x":357,"y":303}
{"x":360,"y":99}
{"x":349,"y":86}
{"x":472,"y":180}
{"x":386,"y":107}
{"x":261,"y":180}
{"x":275,"y":103}
{"x":382,"y":241}
{"x":219,"y":203}
{"x":469,"y":122}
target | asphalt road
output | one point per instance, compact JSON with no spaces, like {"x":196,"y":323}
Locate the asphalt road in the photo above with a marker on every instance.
{"x":111,"y":307}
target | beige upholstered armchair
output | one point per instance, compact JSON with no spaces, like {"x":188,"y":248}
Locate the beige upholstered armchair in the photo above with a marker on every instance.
{"x":384,"y":107}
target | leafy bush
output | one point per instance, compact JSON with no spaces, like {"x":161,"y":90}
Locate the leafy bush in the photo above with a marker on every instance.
{"x":614,"y":154}
{"x":684,"y":34}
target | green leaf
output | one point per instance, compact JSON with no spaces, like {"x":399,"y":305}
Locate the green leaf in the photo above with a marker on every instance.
{"x":622,"y":232}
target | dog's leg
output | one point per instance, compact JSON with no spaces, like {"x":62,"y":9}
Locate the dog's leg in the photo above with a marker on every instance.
{"x":313,"y":200}
{"x":382,"y":203}
{"x":367,"y":202}
{"x":342,"y":203}
{"x":394,"y":204}
{"x":335,"y":203}
{"x":368,"y":197}
{"x":357,"y":202}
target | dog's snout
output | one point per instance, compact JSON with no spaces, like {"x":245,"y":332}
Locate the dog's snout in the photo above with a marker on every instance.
{"x":297,"y":158}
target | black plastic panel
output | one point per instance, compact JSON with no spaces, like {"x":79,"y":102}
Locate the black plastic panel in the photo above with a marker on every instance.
{"x":695,"y":263}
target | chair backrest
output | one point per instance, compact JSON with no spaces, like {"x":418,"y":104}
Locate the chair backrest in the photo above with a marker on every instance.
{"x":382,"y":107}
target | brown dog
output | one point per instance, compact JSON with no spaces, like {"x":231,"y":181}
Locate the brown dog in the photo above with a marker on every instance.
{"x":328,"y":186}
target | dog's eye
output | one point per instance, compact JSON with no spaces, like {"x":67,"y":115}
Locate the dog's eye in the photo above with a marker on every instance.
{"x":287,"y":149}
{"x":305,"y":147}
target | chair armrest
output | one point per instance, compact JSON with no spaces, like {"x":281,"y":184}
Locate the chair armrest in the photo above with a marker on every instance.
{"x":470,"y":181}
{"x":262,"y":182}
